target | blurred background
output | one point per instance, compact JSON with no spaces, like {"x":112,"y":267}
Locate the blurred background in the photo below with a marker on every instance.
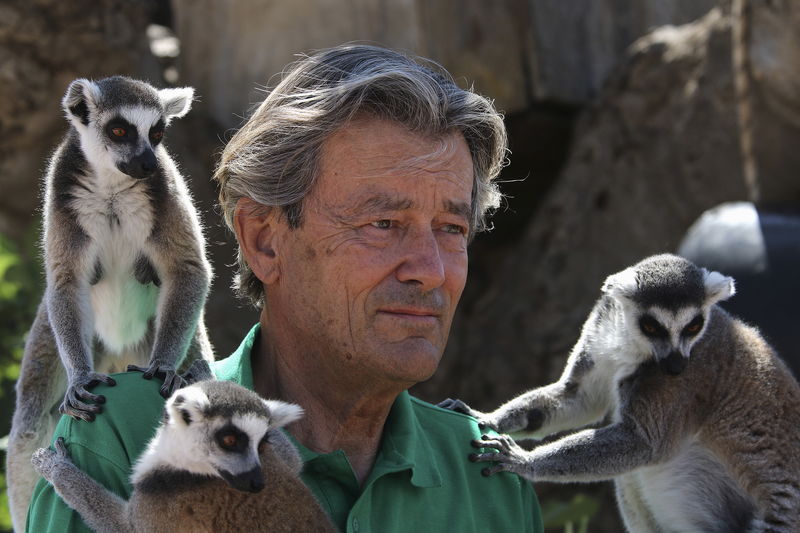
{"x":624,"y":133}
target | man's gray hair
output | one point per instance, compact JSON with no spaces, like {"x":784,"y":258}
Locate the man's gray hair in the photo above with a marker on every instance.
{"x":274,"y":157}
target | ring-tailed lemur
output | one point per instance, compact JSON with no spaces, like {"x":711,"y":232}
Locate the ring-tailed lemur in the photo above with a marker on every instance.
{"x":204,"y":470}
{"x":125,"y":263}
{"x":704,"y":430}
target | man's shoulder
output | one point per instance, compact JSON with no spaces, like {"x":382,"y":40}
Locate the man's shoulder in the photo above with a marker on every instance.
{"x":449,"y":437}
{"x":130,"y":415}
{"x":450,"y":423}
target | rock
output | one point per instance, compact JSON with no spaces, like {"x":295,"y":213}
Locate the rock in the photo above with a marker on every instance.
{"x":658,"y":148}
{"x":774,"y":51}
{"x":515,"y":51}
{"x":45,"y":44}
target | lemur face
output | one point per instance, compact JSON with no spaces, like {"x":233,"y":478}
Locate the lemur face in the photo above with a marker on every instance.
{"x":121,"y":121}
{"x":234,"y":447}
{"x":221,"y":430}
{"x":671,"y":334}
{"x":129,"y":137}
{"x":666,"y":301}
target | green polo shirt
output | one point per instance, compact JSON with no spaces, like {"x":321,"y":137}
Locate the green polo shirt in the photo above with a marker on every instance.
{"x":421,"y":480}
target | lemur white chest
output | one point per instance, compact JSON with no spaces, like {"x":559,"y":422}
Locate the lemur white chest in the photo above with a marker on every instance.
{"x":116,"y":212}
{"x":615,"y":360}
{"x":117,"y":215}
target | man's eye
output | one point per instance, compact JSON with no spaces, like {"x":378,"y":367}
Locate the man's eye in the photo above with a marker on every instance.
{"x":455,"y":228}
{"x":382,"y":224}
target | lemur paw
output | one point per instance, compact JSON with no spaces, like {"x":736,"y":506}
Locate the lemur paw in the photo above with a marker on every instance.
{"x":508,"y":457}
{"x":46,"y":460}
{"x":172,"y":380}
{"x":77,"y":395}
{"x":461,"y":407}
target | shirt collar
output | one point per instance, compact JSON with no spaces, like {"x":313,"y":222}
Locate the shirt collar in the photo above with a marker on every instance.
{"x":237,"y":367}
{"x":404,"y":446}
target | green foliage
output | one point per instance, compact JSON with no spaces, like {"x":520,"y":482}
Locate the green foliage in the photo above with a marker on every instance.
{"x":20,"y":292}
{"x":19,"y":295}
{"x":570,"y":517}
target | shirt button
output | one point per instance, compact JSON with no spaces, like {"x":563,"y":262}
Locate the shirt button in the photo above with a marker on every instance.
{"x":355,"y":525}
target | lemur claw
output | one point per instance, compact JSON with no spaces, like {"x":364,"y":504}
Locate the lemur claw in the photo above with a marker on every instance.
{"x":504,"y":458}
{"x":172,"y":380}
{"x":460,"y":407}
{"x":61,"y":447}
{"x":77,"y":395}
{"x":456,"y":405}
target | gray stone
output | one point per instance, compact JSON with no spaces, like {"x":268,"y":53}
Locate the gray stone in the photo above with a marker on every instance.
{"x":518,"y":52}
{"x":45,"y":44}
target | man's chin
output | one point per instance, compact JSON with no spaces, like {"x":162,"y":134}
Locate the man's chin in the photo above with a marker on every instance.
{"x":414,"y":359}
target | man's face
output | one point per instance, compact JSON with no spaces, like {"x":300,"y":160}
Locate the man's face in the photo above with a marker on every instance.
{"x":368,"y":284}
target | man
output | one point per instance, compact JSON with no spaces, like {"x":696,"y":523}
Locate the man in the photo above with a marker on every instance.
{"x":353,"y":191}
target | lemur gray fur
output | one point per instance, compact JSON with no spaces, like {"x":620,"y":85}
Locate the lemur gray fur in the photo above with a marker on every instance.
{"x":124,"y":256}
{"x":704,"y":429}
{"x":204,"y":470}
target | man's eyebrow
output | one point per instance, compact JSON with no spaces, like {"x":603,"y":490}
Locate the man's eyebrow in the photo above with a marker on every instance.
{"x":379,"y":203}
{"x":461,"y":209}
{"x":382,"y":203}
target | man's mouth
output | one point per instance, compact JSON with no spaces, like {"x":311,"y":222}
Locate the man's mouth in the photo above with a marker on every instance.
{"x":413,"y":314}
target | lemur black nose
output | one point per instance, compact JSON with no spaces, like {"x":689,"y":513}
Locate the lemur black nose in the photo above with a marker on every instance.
{"x":256,"y":485}
{"x":249,"y":481}
{"x":142,"y":165}
{"x":673,"y":364}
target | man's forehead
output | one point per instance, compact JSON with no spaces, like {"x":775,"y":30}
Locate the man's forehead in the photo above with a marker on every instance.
{"x":379,"y":165}
{"x":376,"y":146}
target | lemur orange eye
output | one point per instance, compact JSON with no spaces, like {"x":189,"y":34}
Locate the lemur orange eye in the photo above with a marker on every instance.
{"x":118,"y":132}
{"x":649,"y":328}
{"x":229,"y":441}
{"x":157,"y":135}
{"x":693,"y":328}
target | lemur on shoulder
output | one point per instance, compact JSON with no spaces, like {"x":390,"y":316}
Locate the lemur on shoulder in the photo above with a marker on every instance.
{"x":218,"y":464}
{"x":124,"y":256}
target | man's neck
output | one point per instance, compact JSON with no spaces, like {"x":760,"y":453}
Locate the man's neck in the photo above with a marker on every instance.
{"x":340,"y":413}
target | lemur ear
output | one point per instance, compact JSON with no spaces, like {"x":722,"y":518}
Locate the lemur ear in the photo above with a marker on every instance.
{"x":81,"y":97}
{"x":177,"y":102}
{"x":621,"y":285}
{"x":186,"y":405}
{"x":282,"y":413}
{"x":718,"y":287}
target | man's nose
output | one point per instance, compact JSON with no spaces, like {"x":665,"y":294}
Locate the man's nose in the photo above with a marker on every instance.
{"x":421,"y":260}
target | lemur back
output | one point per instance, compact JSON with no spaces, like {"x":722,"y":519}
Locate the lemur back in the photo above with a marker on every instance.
{"x":703,"y":419}
{"x":124,"y":255}
{"x":218,"y":463}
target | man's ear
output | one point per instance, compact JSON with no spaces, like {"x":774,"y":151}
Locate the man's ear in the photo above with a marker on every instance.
{"x":258,"y":229}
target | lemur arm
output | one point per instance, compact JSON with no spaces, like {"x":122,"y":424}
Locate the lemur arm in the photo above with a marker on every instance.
{"x":586,"y":456}
{"x":69,"y":316}
{"x":577,"y":399}
{"x":184,"y":276}
{"x":102,"y":510}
